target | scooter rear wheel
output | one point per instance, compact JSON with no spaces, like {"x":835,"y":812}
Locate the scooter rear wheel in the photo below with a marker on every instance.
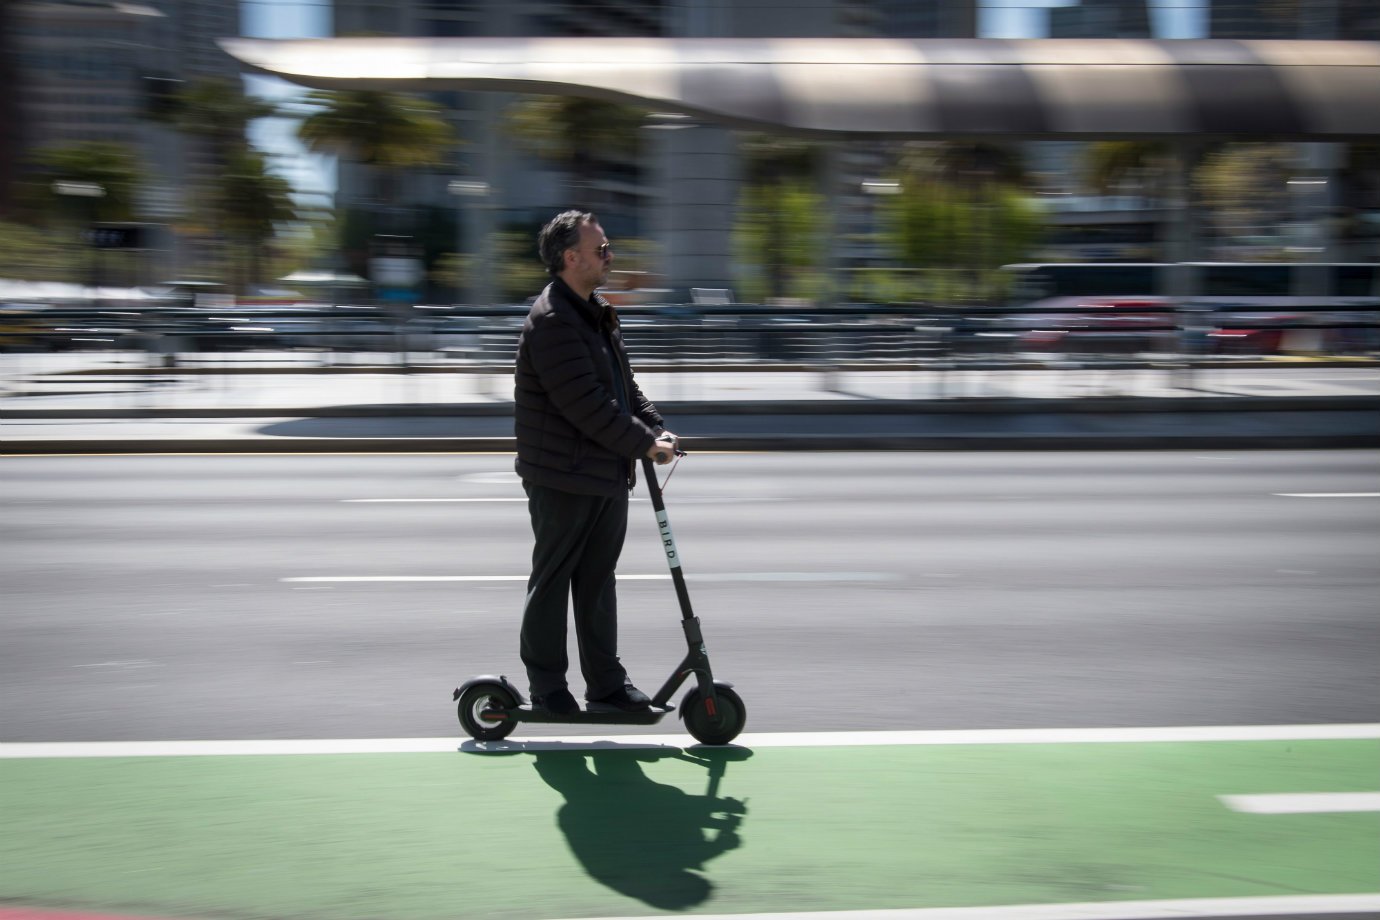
{"x":474,"y":701}
{"x":730,"y":715}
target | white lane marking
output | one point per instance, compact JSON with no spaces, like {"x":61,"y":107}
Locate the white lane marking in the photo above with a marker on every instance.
{"x":1359,"y":731}
{"x":422,"y":578}
{"x":1283,"y":905}
{"x":795,"y":576}
{"x":1302,"y":803}
{"x":401,"y":501}
{"x":504,"y":478}
{"x":1327,"y":494}
{"x":132,"y":664}
{"x":64,"y":749}
{"x":395,"y":501}
{"x":725,"y":576}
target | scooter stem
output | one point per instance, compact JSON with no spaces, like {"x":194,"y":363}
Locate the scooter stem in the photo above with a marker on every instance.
{"x":668,"y":541}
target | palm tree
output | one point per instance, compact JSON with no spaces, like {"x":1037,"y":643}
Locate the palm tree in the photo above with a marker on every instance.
{"x":252,"y":202}
{"x":213,"y":114}
{"x":218,"y":112}
{"x":390,"y":132}
{"x":577,"y":134}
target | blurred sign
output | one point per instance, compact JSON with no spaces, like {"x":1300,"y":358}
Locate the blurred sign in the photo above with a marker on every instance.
{"x":119,"y":236}
{"x":394,"y":271}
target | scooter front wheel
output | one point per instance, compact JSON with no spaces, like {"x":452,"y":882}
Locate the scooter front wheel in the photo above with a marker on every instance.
{"x":723,"y":724}
{"x":475,"y":701}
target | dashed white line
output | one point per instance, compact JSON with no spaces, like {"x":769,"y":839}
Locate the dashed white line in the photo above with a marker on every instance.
{"x":364,"y":579}
{"x":419,"y":501}
{"x":724,"y":576}
{"x":428,"y":501}
{"x":1302,"y":803}
{"x":1327,"y":494}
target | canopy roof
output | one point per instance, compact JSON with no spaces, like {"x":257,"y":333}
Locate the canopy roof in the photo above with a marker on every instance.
{"x":1037,"y":88}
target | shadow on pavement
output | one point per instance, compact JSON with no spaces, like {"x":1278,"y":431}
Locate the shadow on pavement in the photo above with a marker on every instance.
{"x":644,"y":839}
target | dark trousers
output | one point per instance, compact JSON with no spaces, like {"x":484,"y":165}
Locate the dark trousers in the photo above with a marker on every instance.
{"x":578,"y":541}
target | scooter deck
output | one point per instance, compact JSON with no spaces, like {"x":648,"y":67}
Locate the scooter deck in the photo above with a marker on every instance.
{"x":595,"y":714}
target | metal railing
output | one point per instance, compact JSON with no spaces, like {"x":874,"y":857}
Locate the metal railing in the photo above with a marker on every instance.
{"x":865,"y":336}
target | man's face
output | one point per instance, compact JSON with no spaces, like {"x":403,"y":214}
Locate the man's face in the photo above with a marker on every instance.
{"x":585,"y":266}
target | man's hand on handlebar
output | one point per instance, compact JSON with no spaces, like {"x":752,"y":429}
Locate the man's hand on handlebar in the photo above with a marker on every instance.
{"x":665,"y":448}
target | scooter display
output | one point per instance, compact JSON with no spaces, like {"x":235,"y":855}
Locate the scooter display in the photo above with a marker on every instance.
{"x":490,"y":707}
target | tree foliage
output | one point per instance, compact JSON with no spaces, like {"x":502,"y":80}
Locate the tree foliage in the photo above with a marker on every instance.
{"x":576,"y":134}
{"x":33,"y":254}
{"x":522,"y":272}
{"x":218,"y":111}
{"x":1245,"y":189}
{"x":391,"y":131}
{"x":779,"y":237}
{"x":113,"y":167}
{"x":1109,"y":166}
{"x":252,"y":203}
{"x":961,"y":214}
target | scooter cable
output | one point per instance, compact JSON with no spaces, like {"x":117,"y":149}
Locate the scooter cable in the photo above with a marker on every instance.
{"x":671,"y":472}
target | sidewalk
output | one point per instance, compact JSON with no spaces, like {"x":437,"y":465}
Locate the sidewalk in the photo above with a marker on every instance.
{"x":111,"y":402}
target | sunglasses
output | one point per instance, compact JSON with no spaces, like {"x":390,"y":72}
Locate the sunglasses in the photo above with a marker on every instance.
{"x":604,"y":251}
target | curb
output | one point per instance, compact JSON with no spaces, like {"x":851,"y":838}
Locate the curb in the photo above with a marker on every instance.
{"x":762,"y":443}
{"x":986,"y":405}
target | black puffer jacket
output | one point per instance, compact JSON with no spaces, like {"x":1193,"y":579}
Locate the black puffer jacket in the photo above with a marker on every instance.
{"x":572,"y":434}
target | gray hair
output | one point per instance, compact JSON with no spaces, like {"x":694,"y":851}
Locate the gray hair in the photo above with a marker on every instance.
{"x":560,"y":234}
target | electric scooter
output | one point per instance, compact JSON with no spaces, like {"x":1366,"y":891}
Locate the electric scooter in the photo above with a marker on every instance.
{"x":490,"y":707}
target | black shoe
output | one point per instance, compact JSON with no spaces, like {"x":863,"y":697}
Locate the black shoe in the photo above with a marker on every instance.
{"x":557,"y":702}
{"x":628,"y":699}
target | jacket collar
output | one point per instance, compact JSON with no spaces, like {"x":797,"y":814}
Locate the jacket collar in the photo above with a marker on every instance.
{"x":594,"y":310}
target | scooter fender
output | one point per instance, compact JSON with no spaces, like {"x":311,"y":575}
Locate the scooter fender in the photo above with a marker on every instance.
{"x":489,"y":679}
{"x":718,"y":685}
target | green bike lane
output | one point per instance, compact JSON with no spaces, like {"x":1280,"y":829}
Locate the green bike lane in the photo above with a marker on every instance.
{"x":573,"y":829}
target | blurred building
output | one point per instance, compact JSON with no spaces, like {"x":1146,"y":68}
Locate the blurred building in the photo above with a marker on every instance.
{"x":680,"y":190}
{"x":1357,"y":20}
{"x":927,"y":18}
{"x":1101,"y":19}
{"x":1352,"y":194}
{"x":96,"y":70}
{"x":12,"y":139}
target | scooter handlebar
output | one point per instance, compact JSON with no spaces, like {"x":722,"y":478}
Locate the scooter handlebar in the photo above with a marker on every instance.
{"x":662,"y":456}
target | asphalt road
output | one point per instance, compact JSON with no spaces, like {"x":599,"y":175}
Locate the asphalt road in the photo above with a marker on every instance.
{"x":167,"y":597}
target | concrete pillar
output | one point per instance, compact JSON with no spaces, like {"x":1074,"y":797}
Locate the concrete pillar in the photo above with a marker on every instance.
{"x":831,"y":260}
{"x":697,"y":173}
{"x":1185,"y":235}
